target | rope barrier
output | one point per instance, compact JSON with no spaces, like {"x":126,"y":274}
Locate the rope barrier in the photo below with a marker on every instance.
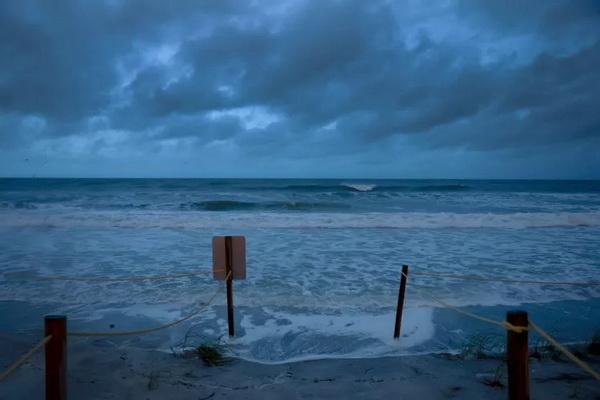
{"x":503,"y":324}
{"x":131,"y":278}
{"x":24,"y":358}
{"x":155,"y":329}
{"x":517,"y":329}
{"x":564,"y":350}
{"x":478,"y":278}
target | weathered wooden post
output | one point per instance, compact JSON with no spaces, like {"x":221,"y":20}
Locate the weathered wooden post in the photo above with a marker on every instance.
{"x":229,"y":277}
{"x":229,"y":263}
{"x":400,"y":305}
{"x":56,"y":357}
{"x":517,"y":356}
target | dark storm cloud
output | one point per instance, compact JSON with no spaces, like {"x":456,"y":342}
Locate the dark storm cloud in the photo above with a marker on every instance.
{"x":551,"y":100}
{"x":334,"y":76}
{"x":60,"y":58}
{"x":549,"y":20}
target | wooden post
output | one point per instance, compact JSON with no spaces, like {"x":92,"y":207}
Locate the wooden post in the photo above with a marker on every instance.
{"x":56,"y":357}
{"x":228,"y":270}
{"x":517,"y":357}
{"x":400,"y":305}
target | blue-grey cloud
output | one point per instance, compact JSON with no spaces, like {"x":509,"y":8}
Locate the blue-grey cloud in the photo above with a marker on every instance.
{"x":324,"y":83}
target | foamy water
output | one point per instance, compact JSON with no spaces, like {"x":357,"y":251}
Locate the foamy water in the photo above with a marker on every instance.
{"x":323,"y":256}
{"x":170,"y":220}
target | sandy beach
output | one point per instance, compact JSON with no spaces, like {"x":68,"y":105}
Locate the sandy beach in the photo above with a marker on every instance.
{"x":99,"y":369}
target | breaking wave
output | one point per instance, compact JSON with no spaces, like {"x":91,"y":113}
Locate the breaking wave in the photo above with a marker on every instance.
{"x":17,"y":205}
{"x":366,"y":187}
{"x":232,"y":205}
{"x":219,"y":205}
{"x":360,"y":187}
{"x":273,"y":219}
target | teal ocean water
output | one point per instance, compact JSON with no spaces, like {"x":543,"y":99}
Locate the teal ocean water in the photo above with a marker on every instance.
{"x":323,"y":258}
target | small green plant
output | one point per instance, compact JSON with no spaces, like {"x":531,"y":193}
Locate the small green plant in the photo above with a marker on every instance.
{"x":576,"y":391}
{"x":545,"y":350}
{"x":195,"y":345}
{"x":212,"y":354}
{"x":482,"y":346}
{"x":498,"y":379}
{"x":594,"y":344}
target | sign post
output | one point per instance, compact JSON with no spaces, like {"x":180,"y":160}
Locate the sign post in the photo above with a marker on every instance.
{"x":400,"y":306}
{"x":56,"y":357}
{"x":229,"y":263}
{"x":517,"y":357}
{"x":229,"y":277}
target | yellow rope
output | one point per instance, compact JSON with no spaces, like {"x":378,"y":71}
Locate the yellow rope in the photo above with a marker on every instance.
{"x":149,"y":330}
{"x":564,"y":350}
{"x":131,"y":278}
{"x":24,"y":358}
{"x":477,"y":278}
{"x":518,"y":329}
{"x":503,"y":324}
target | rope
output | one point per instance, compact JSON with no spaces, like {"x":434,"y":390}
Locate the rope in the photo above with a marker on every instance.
{"x":131,"y":278}
{"x":517,"y":329}
{"x":503,"y":324}
{"x":24,"y":358}
{"x":149,"y":330}
{"x":534,"y":282}
{"x":564,"y":350}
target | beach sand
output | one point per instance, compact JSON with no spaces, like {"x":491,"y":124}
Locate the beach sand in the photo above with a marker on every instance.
{"x":100,"y":369}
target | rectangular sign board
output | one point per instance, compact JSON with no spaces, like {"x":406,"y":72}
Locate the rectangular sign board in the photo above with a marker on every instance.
{"x":237,"y":257}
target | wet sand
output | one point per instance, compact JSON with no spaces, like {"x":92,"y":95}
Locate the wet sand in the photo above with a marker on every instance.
{"x":100,"y":369}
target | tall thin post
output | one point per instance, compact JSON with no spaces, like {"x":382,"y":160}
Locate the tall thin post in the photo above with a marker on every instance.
{"x":56,"y":357}
{"x":229,"y":274}
{"x":400,"y":305}
{"x":517,"y":357}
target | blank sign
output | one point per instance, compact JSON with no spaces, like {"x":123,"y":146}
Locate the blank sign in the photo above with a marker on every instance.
{"x":238,"y":257}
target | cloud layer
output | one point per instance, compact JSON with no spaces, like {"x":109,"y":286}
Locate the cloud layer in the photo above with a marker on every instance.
{"x":301,"y":88}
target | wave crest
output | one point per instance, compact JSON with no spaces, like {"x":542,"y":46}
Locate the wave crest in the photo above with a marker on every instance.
{"x":233,"y":205}
{"x":360,"y":187}
{"x":273,"y":219}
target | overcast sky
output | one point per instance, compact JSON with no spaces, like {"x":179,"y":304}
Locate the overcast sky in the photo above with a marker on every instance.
{"x":407,"y":89}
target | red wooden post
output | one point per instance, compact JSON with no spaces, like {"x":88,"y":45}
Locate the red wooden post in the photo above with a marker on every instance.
{"x":56,"y":357}
{"x":517,"y":357}
{"x":400,"y":305}
{"x":228,"y":271}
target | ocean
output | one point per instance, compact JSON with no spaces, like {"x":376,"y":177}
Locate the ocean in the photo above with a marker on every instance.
{"x":323,"y":259}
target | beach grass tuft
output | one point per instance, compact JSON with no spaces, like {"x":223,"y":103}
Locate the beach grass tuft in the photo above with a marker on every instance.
{"x":497,"y":380}
{"x":593,"y":346}
{"x":482,"y":346}
{"x":212,"y":354}
{"x":544,"y":350}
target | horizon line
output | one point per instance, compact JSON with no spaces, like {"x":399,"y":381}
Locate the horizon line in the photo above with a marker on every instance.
{"x":297,"y":178}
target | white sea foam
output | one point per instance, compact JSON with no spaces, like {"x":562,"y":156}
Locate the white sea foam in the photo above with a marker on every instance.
{"x":361,"y":187}
{"x":194,"y":220}
{"x":304,"y":335}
